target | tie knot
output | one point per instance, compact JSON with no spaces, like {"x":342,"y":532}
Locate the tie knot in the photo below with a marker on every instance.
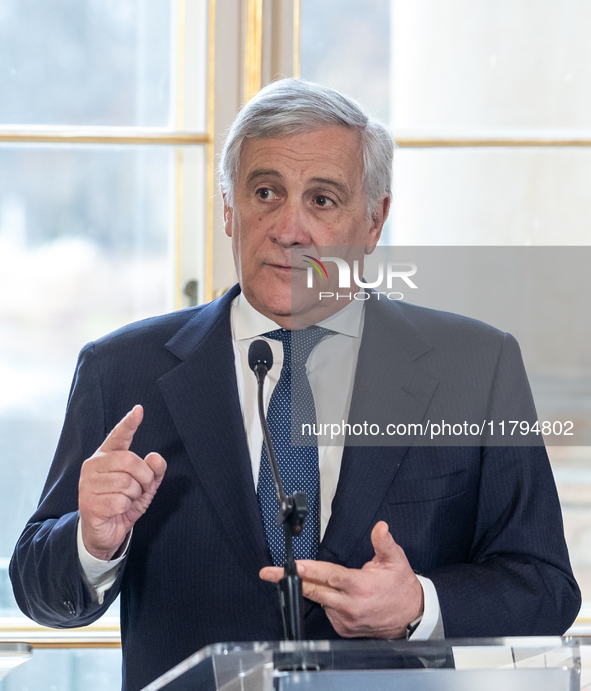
{"x":297,"y":345}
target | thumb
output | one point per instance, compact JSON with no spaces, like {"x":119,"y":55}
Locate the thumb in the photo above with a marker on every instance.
{"x":158,"y":466}
{"x":385,"y":547}
{"x":121,"y":435}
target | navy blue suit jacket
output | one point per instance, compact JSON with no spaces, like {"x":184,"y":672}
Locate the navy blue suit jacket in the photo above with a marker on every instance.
{"x":484,"y":524}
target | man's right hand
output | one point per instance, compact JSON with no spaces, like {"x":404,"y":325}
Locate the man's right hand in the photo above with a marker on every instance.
{"x":116,"y":487}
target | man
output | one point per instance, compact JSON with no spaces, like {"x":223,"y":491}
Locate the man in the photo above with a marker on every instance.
{"x":153,"y":490}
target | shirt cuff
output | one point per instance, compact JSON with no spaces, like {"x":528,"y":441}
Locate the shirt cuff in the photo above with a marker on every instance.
{"x":99,"y":575}
{"x":431,"y":625}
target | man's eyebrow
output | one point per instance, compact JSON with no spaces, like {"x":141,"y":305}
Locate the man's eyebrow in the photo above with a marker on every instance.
{"x":339,"y":186}
{"x":342,"y":189}
{"x":262,"y":172}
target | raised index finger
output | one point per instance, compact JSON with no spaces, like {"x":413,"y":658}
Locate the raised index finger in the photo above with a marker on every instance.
{"x":121,"y":435}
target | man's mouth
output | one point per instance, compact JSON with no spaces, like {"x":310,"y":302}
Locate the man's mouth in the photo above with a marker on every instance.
{"x":286,"y":267}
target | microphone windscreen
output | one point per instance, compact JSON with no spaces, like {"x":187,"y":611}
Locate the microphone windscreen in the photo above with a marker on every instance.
{"x":260,"y":353}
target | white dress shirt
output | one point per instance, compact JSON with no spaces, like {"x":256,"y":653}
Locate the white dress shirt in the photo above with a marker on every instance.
{"x":330,"y":369}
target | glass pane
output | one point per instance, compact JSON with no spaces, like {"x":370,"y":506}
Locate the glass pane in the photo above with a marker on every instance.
{"x":439,"y":66}
{"x":193,"y":200}
{"x":492,"y":65}
{"x":195,"y":96}
{"x":85,"y":247}
{"x":85,"y":62}
{"x":491,"y":197}
{"x":345,"y":44}
{"x":67,"y":670}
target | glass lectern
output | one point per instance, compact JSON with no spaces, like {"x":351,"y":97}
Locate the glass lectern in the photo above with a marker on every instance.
{"x":510,"y":664}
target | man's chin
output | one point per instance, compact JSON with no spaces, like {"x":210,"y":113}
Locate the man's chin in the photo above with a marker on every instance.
{"x":275,"y":304}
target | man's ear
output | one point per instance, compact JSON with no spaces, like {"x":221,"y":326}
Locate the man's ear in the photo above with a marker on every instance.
{"x":378,"y":219}
{"x":228,"y":213}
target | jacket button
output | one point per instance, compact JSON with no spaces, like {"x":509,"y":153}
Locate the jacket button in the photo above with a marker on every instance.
{"x":69,"y":607}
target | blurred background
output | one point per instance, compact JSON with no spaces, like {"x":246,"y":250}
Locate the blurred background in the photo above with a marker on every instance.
{"x":112,"y":114}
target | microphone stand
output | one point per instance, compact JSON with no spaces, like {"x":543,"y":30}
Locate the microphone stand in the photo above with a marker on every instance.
{"x":292,"y":514}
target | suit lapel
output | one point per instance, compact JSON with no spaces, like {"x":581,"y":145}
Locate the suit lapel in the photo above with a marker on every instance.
{"x":202,"y":397}
{"x":390,"y":386}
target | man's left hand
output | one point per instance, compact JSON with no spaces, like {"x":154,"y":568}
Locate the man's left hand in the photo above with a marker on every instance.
{"x":377,"y":601}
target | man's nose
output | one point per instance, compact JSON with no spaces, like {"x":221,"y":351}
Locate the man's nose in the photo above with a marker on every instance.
{"x":290,"y":227}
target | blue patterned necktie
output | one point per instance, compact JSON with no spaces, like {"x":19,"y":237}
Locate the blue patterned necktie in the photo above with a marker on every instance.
{"x":291,"y":406}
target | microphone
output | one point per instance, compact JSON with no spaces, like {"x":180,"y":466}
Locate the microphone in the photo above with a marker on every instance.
{"x":292,"y":510}
{"x":260,"y":359}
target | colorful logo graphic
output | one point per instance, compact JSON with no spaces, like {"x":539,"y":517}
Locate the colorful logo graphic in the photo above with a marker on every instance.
{"x":317,"y":265}
{"x":386,"y":270}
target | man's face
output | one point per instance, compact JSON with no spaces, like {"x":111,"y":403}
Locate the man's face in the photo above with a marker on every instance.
{"x":298,"y":192}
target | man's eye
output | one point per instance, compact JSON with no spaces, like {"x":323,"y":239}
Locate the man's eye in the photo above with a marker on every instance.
{"x":323,"y":201}
{"x":265,"y":193}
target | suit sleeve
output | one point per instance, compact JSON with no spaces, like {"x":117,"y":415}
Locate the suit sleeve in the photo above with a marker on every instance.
{"x":518,"y":580}
{"x":45,"y":570}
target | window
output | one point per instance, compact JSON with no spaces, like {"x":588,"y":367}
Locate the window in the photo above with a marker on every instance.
{"x":105,"y":177}
{"x":112,"y":114}
{"x":489,"y":105}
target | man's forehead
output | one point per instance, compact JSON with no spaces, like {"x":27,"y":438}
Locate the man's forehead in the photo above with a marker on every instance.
{"x":319,"y":153}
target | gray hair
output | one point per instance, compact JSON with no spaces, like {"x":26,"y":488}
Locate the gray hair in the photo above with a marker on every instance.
{"x":295,"y":106}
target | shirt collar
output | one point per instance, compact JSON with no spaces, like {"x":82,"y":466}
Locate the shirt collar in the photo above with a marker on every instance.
{"x":248,"y":323}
